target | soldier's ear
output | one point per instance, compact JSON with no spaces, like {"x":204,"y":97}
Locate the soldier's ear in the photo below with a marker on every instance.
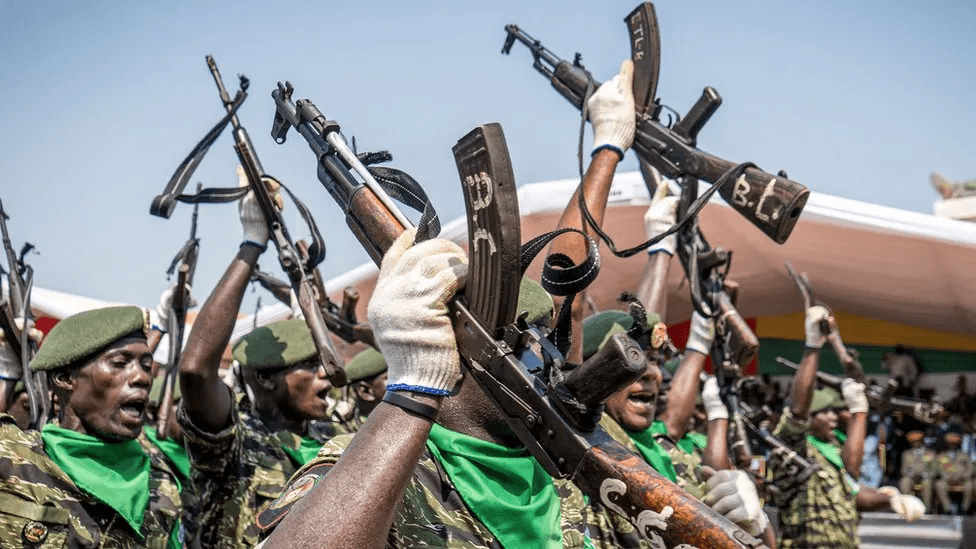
{"x":63,"y":380}
{"x":266,"y":380}
{"x":364,"y":392}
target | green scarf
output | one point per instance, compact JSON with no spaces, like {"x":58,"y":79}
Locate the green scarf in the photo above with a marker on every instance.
{"x":306,"y":450}
{"x":830,"y":451}
{"x":692,"y":442}
{"x":656,"y":456}
{"x":505,"y":488}
{"x":115,"y":473}
{"x":174,"y":452}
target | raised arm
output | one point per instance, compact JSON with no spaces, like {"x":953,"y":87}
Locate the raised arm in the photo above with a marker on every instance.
{"x":352,"y":506}
{"x":611,"y":111}
{"x":207,"y":401}
{"x":805,"y":380}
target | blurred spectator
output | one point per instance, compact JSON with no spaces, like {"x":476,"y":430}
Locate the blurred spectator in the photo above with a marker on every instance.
{"x":917,"y":468}
{"x":904,"y":367}
{"x":955,"y":472}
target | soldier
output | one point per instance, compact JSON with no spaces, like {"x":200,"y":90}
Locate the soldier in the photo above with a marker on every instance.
{"x":90,"y":480}
{"x":429,"y":468}
{"x":955,"y":472}
{"x":630,"y":420}
{"x":823,"y":512}
{"x":239,"y":461}
{"x":917,"y":468}
{"x":366,"y":377}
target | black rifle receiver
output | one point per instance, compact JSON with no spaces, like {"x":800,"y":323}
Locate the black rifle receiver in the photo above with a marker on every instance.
{"x":288,"y":255}
{"x":20,"y":279}
{"x":771,"y":203}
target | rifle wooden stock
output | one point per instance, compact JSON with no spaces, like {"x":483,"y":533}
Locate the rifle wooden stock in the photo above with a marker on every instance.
{"x":656,"y":506}
{"x":372,"y":222}
{"x":745,"y":344}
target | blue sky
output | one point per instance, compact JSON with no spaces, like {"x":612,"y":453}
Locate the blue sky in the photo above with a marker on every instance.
{"x":100,"y":101}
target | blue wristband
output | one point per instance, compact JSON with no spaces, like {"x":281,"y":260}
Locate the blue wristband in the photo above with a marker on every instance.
{"x":610,"y":147}
{"x":418,"y":389}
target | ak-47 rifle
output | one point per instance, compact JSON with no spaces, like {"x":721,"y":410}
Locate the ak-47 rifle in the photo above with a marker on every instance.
{"x":185,"y":266}
{"x":513,"y":362}
{"x":288,"y":256}
{"x":341,"y":319}
{"x":16,"y":321}
{"x":770,"y":202}
{"x":880,"y":398}
{"x":850,"y":363}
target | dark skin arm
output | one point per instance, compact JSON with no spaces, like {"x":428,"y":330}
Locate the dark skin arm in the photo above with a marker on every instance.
{"x":716,"y":454}
{"x":852,"y":453}
{"x":653,"y":289}
{"x":207,"y":401}
{"x":683,"y":393}
{"x":870,"y":499}
{"x":343,"y":509}
{"x":596,"y":191}
{"x":804,"y":383}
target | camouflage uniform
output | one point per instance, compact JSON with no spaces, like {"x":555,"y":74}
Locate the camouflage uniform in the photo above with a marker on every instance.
{"x":822,"y":512}
{"x":954,"y":469}
{"x":40,"y":506}
{"x":235,"y":472}
{"x":433,"y":514}
{"x":687,"y":467}
{"x":916,"y":473}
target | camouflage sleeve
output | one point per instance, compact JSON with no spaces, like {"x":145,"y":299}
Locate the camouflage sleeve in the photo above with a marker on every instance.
{"x":793,"y":431}
{"x":211,"y":453}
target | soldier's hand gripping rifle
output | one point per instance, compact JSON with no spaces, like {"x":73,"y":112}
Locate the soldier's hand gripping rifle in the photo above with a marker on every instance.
{"x":16,"y":322}
{"x":850,"y":363}
{"x":880,"y":398}
{"x":185,"y":266}
{"x":511,"y":360}
{"x":772,"y":203}
{"x":288,"y":255}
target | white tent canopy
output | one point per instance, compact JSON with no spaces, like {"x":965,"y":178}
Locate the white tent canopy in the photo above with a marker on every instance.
{"x":863,"y":259}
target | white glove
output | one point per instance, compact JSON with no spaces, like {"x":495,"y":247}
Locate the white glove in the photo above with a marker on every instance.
{"x":159,"y":317}
{"x":612,"y":111}
{"x":660,"y":216}
{"x":408,"y":312}
{"x":714,"y":407}
{"x":702,"y":334}
{"x":907,"y":506}
{"x":857,"y":401}
{"x":815,"y":336}
{"x":252,"y":218}
{"x":732,"y":494}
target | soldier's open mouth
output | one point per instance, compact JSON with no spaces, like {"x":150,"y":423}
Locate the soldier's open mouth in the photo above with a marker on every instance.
{"x":135,"y":408}
{"x":644,"y":397}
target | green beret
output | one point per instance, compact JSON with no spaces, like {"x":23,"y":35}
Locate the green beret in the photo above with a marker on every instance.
{"x":366,"y":364}
{"x":599,"y":328}
{"x":156,"y":392}
{"x":279,"y":345}
{"x":826,"y":398}
{"x":534,"y":300}
{"x":84,"y":334}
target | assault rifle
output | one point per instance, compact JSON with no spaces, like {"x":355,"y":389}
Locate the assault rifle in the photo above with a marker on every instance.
{"x":771,"y":203}
{"x":340,"y":318}
{"x":288,"y":255}
{"x":850,"y":363}
{"x":554,"y":413}
{"x":185,"y":266}
{"x":880,"y":398}
{"x":16,"y":321}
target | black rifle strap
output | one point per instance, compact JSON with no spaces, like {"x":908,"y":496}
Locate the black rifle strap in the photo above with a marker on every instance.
{"x":728,"y":177}
{"x":404,"y":189}
{"x":163,"y":204}
{"x":561,"y":277}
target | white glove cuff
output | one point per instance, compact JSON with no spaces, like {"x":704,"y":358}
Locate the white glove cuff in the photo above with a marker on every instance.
{"x":420,"y":375}
{"x":702,"y":334}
